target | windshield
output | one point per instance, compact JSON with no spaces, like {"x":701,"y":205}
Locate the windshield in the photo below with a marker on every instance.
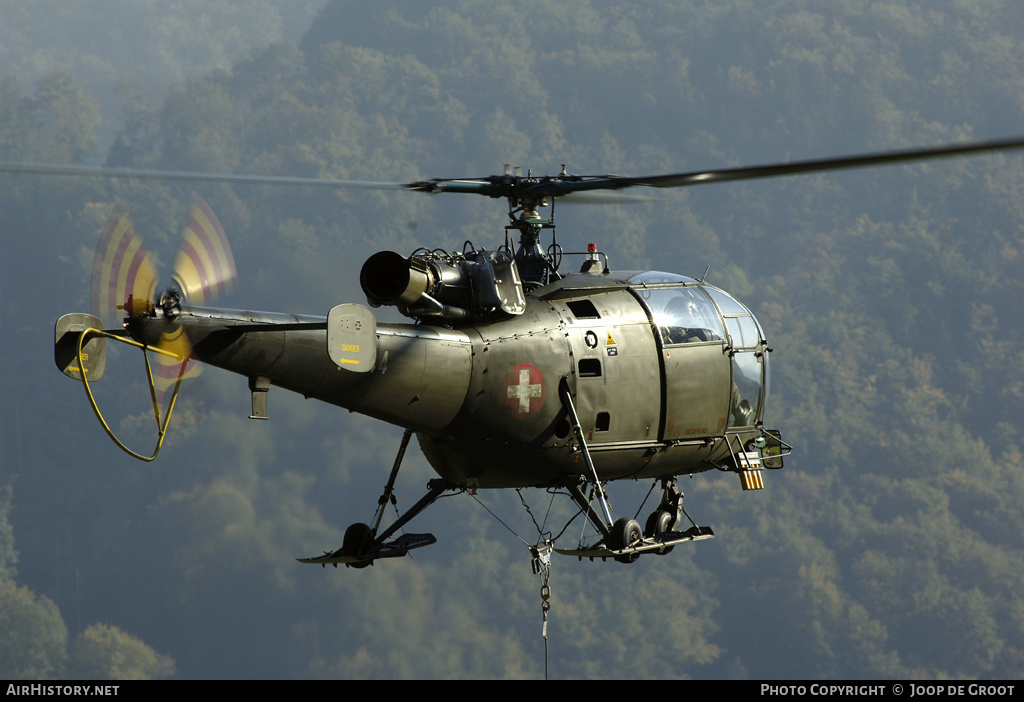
{"x":683,"y":315}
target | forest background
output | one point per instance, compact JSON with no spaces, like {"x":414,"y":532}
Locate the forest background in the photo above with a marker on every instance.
{"x":891,"y":545}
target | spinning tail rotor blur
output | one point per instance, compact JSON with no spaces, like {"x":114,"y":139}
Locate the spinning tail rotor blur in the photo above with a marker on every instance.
{"x":125,"y":281}
{"x":125,"y":291}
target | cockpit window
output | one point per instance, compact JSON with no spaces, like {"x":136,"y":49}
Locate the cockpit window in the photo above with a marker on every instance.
{"x":725,"y":302}
{"x":743,"y":331}
{"x":749,"y":374}
{"x":683,"y":315}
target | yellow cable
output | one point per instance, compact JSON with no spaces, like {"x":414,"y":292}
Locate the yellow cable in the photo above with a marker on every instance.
{"x":152,"y":390}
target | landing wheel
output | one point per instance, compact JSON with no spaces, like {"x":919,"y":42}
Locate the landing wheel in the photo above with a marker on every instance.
{"x":355,"y":539}
{"x":624,"y":533}
{"x":659,"y":523}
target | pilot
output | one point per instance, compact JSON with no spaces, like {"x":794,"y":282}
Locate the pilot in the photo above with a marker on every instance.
{"x":685,"y":319}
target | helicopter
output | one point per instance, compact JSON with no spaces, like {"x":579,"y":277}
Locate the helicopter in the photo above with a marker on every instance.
{"x":513,"y":371}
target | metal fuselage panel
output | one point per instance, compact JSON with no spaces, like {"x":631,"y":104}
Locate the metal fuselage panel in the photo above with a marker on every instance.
{"x":513,"y":431}
{"x":506,"y":434}
{"x":419,"y":382}
{"x":484,"y":400}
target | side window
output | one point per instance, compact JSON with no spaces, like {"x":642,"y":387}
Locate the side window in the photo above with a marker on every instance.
{"x":746,"y":389}
{"x":583,"y":309}
{"x":748,"y":376}
{"x":683,"y":315}
{"x":743,"y":331}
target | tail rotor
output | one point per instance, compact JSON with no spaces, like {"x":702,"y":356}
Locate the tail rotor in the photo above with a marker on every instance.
{"x":125,"y":287}
{"x":125,"y":281}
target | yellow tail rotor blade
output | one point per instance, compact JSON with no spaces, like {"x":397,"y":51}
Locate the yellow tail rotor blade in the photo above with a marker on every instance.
{"x":123,"y":275}
{"x":167,"y":369}
{"x":205,"y":266}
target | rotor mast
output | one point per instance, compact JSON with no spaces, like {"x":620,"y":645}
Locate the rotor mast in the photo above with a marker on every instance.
{"x":535,"y":266}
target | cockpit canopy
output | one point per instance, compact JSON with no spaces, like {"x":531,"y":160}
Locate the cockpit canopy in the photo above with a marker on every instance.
{"x":687,"y":311}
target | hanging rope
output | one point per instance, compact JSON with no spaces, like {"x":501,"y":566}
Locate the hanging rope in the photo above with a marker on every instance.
{"x":542,"y":567}
{"x":541,"y":564}
{"x":498,"y":519}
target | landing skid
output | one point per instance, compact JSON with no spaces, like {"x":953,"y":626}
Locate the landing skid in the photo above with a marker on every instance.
{"x":393,"y":549}
{"x":362,"y":544}
{"x":658,"y":544}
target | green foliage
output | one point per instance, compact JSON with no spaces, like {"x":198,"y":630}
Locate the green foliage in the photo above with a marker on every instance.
{"x":13,"y":121}
{"x":63,"y":121}
{"x":8,"y":554}
{"x":889,"y":547}
{"x":32,"y":635}
{"x":55,"y":125}
{"x":34,"y":638}
{"x":104,"y":652}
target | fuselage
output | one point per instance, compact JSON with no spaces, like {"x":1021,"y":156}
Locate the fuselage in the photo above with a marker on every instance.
{"x":665,"y":373}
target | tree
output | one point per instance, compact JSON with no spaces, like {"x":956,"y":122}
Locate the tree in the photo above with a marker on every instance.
{"x":62,"y":120}
{"x":8,"y":555}
{"x":103,"y":652}
{"x":33,"y":637}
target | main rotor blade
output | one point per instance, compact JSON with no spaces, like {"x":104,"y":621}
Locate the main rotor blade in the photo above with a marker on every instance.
{"x":680,"y":180}
{"x":519,"y":187}
{"x":537,"y":188}
{"x":188,"y":176}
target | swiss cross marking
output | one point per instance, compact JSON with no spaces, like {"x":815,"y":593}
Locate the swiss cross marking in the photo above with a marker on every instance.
{"x":524,"y":391}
